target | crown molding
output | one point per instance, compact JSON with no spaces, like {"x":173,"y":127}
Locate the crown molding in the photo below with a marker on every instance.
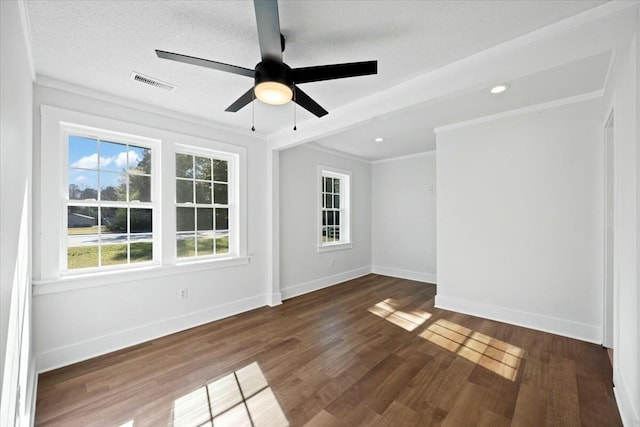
{"x":525,"y":110}
{"x":405,"y":157}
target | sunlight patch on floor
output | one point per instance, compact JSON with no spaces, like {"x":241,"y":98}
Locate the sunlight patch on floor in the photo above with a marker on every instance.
{"x":408,"y":320}
{"x":497,"y":356}
{"x":241,"y":398}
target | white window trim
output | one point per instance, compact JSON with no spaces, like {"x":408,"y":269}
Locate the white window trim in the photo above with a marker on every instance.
{"x":48,"y":227}
{"x":324,"y":170}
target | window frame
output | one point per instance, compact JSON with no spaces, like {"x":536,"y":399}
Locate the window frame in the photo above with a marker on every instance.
{"x":68,"y":130}
{"x":345,"y":241}
{"x":51,"y":185}
{"x":232,"y":201}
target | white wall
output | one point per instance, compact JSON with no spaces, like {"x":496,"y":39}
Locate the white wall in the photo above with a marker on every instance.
{"x":519,"y":208}
{"x":623,"y":97}
{"x":77,"y":324}
{"x":404,"y":217}
{"x":15,"y":218}
{"x":302,"y":268}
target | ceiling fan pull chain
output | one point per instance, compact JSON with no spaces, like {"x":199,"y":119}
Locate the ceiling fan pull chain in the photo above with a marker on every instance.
{"x":253,"y":113}
{"x":294,"y":109}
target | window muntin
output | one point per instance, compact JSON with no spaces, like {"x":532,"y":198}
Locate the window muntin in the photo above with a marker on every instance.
{"x":334,"y":208}
{"x":109,"y":210}
{"x":203,"y":200}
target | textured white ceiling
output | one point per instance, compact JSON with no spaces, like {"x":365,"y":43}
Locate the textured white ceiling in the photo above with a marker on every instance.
{"x":97,"y":44}
{"x":410,"y":132}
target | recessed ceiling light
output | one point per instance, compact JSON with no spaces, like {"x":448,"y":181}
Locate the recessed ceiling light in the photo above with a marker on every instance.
{"x":499,"y":88}
{"x":379,"y":139}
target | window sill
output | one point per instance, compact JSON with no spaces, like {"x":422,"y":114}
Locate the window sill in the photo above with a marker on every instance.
{"x":334,"y":247}
{"x":83,"y":281}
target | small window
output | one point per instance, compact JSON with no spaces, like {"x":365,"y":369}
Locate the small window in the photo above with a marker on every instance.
{"x":109,"y":209}
{"x":203,"y":203}
{"x":334,"y":208}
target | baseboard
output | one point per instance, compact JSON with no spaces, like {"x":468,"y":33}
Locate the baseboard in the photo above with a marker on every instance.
{"x":84,"y":350}
{"x":628,"y":413}
{"x":536,"y":321}
{"x":404,"y":274}
{"x":324,"y":282}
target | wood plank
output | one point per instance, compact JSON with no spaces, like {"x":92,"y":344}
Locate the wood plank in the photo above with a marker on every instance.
{"x":329,"y":361}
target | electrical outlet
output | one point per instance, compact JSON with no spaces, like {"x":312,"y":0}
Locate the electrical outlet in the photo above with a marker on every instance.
{"x":184,"y":293}
{"x":331,"y":262}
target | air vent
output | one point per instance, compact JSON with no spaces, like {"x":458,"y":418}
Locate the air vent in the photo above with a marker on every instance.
{"x":151,"y":81}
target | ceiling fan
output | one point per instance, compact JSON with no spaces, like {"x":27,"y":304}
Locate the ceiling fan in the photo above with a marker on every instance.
{"x":275,"y":82}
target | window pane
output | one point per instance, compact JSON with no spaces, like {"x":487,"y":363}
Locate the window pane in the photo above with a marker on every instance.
{"x":114,"y":220}
{"x":336,"y":201}
{"x":82,"y":220}
{"x":220,"y":170}
{"x":185,"y":219}
{"x":220,"y":193}
{"x":203,"y":168}
{"x":83,"y":152}
{"x":141,"y":221}
{"x":185,"y":245}
{"x":336,"y":185}
{"x":82,"y":237}
{"x":139,"y":159}
{"x":222,"y":219}
{"x":205,"y":219}
{"x":83,"y":185}
{"x":184,"y":165}
{"x":203,"y":192}
{"x":324,"y":217}
{"x":222,"y":245}
{"x":330,"y":218}
{"x":205,"y":245}
{"x":141,"y":248}
{"x":336,"y":218}
{"x":113,"y":156}
{"x":114,"y":254}
{"x":328,"y":201}
{"x":112,"y":186}
{"x":184,"y":191}
{"x":140,"y":188}
{"x":328,"y":185}
{"x":82,"y":256}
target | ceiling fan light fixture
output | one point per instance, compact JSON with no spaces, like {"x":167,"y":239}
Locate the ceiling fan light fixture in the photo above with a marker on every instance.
{"x":273,"y":93}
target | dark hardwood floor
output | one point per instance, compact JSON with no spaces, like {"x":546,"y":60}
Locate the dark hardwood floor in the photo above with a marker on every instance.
{"x":372,"y":351}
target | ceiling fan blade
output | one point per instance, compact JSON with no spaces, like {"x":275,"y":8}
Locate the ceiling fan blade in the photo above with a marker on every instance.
{"x":268,"y":29}
{"x":335,"y":71}
{"x":246,"y":98}
{"x":305,"y":101}
{"x":205,"y":63}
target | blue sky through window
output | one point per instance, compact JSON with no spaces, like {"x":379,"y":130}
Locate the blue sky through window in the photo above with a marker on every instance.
{"x":114,"y":158}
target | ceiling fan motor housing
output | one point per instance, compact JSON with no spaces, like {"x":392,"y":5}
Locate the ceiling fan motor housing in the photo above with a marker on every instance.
{"x":273,"y":71}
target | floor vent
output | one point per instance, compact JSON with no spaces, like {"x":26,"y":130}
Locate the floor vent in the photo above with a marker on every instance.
{"x":151,"y":81}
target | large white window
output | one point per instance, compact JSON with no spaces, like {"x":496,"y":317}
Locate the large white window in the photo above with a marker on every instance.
{"x":109,"y":204}
{"x":335,"y":215}
{"x":132,"y":201}
{"x":205,"y":199}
